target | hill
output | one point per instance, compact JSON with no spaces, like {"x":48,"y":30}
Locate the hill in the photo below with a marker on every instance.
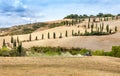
{"x":95,"y":42}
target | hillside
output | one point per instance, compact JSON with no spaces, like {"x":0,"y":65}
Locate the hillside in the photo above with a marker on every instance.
{"x":103,"y":42}
{"x":60,"y":66}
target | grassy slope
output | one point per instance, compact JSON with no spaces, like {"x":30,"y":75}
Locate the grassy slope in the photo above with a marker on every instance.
{"x":91,"y":42}
{"x":60,"y":66}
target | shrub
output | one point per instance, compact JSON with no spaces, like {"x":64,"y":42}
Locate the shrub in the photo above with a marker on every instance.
{"x":4,"y":51}
{"x":115,"y":51}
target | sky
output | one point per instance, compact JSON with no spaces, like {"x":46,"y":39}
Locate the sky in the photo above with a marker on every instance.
{"x":17,"y":12}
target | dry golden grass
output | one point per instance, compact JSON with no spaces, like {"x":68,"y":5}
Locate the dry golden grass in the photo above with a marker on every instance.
{"x":59,"y":66}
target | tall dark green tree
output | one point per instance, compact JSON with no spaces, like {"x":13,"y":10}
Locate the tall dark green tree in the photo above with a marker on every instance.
{"x":92,"y":26}
{"x":19,"y":49}
{"x":18,"y":39}
{"x":12,"y":39}
{"x":60,"y":35}
{"x":94,"y":19}
{"x":88,"y":25}
{"x":48,"y":35}
{"x":14,"y":43}
{"x":78,"y":32}
{"x":42,"y":36}
{"x":116,"y":29}
{"x":4,"y":44}
{"x":36,"y":38}
{"x":66,"y":34}
{"x":89,"y":19}
{"x":30,"y":37}
{"x":102,"y":28}
{"x":72,"y":32}
{"x":110,"y":31}
{"x":96,"y":26}
{"x":107,"y":28}
{"x":54,"y":35}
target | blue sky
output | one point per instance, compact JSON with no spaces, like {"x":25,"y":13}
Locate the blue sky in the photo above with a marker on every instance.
{"x":15,"y":12}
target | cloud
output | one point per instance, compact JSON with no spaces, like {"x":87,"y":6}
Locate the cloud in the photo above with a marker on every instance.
{"x":13,"y":12}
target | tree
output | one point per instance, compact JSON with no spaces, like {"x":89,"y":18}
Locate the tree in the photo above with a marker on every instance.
{"x":94,"y":19}
{"x":48,"y":35}
{"x":30,"y":37}
{"x":102,"y":26}
{"x":19,"y":49}
{"x":36,"y":38}
{"x":107,"y":28}
{"x":110,"y":31}
{"x":18,"y":39}
{"x":60,"y":35}
{"x":78,"y":32}
{"x":12,"y":39}
{"x":115,"y":28}
{"x":96,"y":26}
{"x":54,"y":35}
{"x":89,"y":19}
{"x":42,"y":36}
{"x":66,"y":34}
{"x":92,"y":26}
{"x":72,"y":22}
{"x":14,"y":43}
{"x":104,"y":18}
{"x":88,"y":25}
{"x":4,"y":44}
{"x":79,"y":20}
{"x":72,"y":32}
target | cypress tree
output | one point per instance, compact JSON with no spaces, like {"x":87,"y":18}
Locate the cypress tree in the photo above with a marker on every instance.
{"x":36,"y":38}
{"x":18,"y":39}
{"x":96,"y":26}
{"x":107,"y":28}
{"x":110,"y":31}
{"x":94,"y":19}
{"x":14,"y":43}
{"x":92,"y":26}
{"x":60,"y":35}
{"x":88,"y":25}
{"x":72,"y":32}
{"x":72,"y":22}
{"x":48,"y":35}
{"x":89,"y":19}
{"x":115,"y":28}
{"x":98,"y":29}
{"x":19,"y":49}
{"x":66,"y":34}
{"x":54,"y":35}
{"x":12,"y":39}
{"x":4,"y":44}
{"x":101,"y":19}
{"x":104,"y":19}
{"x":30,"y":37}
{"x":102,"y":27}
{"x":67,"y":23}
{"x":78,"y":32}
{"x":42,"y":36}
{"x":85,"y":32}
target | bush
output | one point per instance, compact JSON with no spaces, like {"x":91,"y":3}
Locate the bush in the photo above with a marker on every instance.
{"x":115,"y":51}
{"x":99,"y":52}
{"x":4,"y":51}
